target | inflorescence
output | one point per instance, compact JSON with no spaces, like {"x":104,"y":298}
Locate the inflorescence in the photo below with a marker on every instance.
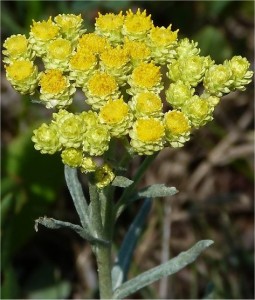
{"x":120,"y":69}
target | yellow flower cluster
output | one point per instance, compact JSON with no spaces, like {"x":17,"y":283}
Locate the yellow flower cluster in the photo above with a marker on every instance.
{"x":126,"y":69}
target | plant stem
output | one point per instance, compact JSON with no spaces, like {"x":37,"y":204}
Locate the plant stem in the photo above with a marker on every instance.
{"x":103,"y":257}
{"x":102,"y":252}
{"x":138,"y":176}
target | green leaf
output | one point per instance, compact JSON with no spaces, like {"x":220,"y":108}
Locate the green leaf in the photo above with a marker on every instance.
{"x":56,"y":224}
{"x":155,"y":190}
{"x":121,"y":266}
{"x":172,"y":266}
{"x":122,"y":181}
{"x":77,"y":194}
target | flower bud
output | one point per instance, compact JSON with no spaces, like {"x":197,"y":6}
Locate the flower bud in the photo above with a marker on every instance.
{"x":103,"y":176}
{"x":46,"y":139}
{"x":178,"y":93}
{"x":72,"y":157}
{"x":198,"y":111}
{"x":241,"y":76}
{"x":218,"y":80}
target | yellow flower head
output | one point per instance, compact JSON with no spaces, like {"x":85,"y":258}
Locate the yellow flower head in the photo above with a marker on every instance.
{"x":68,"y":22}
{"x":109,"y":22}
{"x":72,"y":157}
{"x":82,"y":60}
{"x":16,"y":45}
{"x":136,"y":25}
{"x":93,"y":42}
{"x":101,"y":84}
{"x":149,"y":130}
{"x":147,"y":136}
{"x":45,"y":30}
{"x":20,"y":70}
{"x":59,"y":49}
{"x":138,"y":51}
{"x":53,"y":82}
{"x":115,"y":114}
{"x":114,"y":57}
{"x":146,"y":75}
{"x":147,"y":104}
{"x":176,"y":122}
{"x":177,"y":128}
{"x":114,"y":111}
{"x":161,"y":36}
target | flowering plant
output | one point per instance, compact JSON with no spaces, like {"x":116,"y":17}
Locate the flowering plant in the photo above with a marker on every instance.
{"x":144,"y":90}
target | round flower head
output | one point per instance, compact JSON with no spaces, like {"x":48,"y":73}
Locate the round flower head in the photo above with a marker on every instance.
{"x":93,"y":42}
{"x":137,"y":25}
{"x":41,"y":33}
{"x":147,"y":136}
{"x":190,"y":69}
{"x":218,"y":80}
{"x":115,"y":61}
{"x":70,"y":129}
{"x":110,"y":26}
{"x":240,"y":74}
{"x":46,"y":139}
{"x":177,"y":128}
{"x":115,"y":114}
{"x":138,"y":51}
{"x":145,"y":77}
{"x":72,"y":157}
{"x":70,"y":26}
{"x":96,"y":140}
{"x":162,"y":42}
{"x":187,"y":48}
{"x":58,"y":54}
{"x":146,"y":104}
{"x":56,"y":90}
{"x":89,"y":119}
{"x":198,"y":111}
{"x":103,"y":176}
{"x":17,"y":47}
{"x":23,"y":76}
{"x":100,"y":88}
{"x":178,"y":93}
{"x":81,"y":65}
{"x":88,"y":165}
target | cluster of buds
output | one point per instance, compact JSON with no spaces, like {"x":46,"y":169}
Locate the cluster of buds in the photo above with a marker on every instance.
{"x":120,"y":69}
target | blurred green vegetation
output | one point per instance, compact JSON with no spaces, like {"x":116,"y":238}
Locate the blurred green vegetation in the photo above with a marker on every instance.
{"x":42,"y":265}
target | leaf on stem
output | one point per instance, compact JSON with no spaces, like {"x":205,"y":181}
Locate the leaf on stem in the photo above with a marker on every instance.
{"x":56,"y":224}
{"x":172,"y":266}
{"x":76,"y":192}
{"x":121,"y":266}
{"x":122,"y":181}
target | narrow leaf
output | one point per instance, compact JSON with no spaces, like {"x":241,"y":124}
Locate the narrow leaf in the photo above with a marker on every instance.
{"x":122,"y":181}
{"x":155,"y":190}
{"x":76,"y":192}
{"x":172,"y":266}
{"x":56,"y":224}
{"x":121,"y":267}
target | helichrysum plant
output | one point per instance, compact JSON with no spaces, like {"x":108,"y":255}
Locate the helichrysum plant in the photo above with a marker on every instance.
{"x":144,"y":89}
